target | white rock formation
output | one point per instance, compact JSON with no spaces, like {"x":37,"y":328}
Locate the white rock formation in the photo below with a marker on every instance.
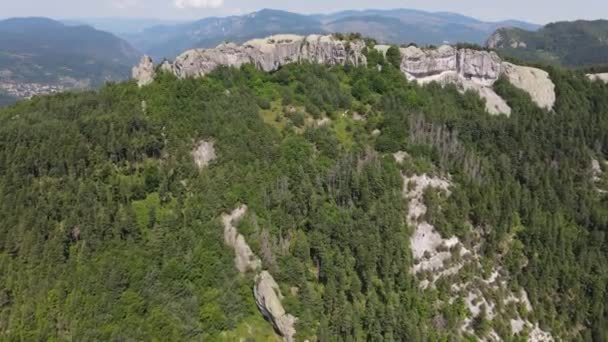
{"x":466,"y":68}
{"x":435,"y":254}
{"x":204,"y":153}
{"x":269,"y":54}
{"x":426,"y":242}
{"x":477,"y":71}
{"x":535,"y":82}
{"x":598,"y":77}
{"x":244,"y":259}
{"x":144,"y":72}
{"x":266,"y":291}
{"x":268,"y":298}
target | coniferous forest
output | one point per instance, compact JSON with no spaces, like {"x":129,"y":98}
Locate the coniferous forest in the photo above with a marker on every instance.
{"x":109,"y":231}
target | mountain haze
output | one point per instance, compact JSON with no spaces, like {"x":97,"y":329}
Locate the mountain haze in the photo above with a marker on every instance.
{"x":40,"y":55}
{"x":400,"y":26}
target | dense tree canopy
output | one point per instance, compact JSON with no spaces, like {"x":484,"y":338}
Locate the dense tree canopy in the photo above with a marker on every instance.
{"x":108,"y":231}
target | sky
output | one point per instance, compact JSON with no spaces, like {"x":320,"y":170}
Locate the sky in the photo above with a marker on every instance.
{"x":537,"y":11}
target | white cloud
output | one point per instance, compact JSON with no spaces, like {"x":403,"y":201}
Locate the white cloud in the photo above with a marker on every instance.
{"x":198,"y":3}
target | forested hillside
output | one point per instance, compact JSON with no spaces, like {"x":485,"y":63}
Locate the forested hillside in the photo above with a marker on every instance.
{"x":110,"y":231}
{"x":576,"y":43}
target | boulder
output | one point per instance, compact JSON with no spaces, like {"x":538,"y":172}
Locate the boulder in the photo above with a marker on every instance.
{"x":268,"y":299}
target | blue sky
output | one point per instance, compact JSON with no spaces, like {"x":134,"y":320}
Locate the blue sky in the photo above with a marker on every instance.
{"x":538,"y":11}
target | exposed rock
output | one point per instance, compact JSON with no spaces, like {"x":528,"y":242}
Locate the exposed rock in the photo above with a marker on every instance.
{"x":598,"y":77}
{"x":266,"y":290}
{"x":494,"y":103}
{"x":204,"y":154}
{"x":144,"y":72}
{"x":426,"y":242}
{"x":268,"y":298}
{"x":383,"y":49}
{"x":439,"y":258}
{"x":466,"y":68}
{"x":535,"y":82}
{"x":497,"y":41}
{"x":400,"y":156}
{"x":244,"y":258}
{"x":269,"y":54}
{"x":596,"y":170}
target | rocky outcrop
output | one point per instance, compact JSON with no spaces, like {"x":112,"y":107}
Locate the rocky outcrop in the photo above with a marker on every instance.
{"x":598,"y":77}
{"x":499,"y":40}
{"x":144,"y":72}
{"x":468,"y":69}
{"x":203,"y":154}
{"x":266,"y":291}
{"x":269,"y":54}
{"x":535,"y":82}
{"x":477,"y":71}
{"x":268,"y":298}
{"x":244,"y":259}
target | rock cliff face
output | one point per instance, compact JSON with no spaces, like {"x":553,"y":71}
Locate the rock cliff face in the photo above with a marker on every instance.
{"x":467,"y":69}
{"x":477,"y":71}
{"x":144,"y":72}
{"x":268,"y":298}
{"x":269,"y":54}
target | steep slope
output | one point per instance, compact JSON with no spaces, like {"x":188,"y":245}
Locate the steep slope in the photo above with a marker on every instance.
{"x":395,"y":26}
{"x":577,"y":43}
{"x":39,"y":55}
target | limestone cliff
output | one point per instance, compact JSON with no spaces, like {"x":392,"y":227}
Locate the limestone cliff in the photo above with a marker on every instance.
{"x":269,"y":54}
{"x":466,"y":68}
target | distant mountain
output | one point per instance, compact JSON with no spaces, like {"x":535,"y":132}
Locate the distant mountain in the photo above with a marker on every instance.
{"x":120,"y":26}
{"x":577,"y":43}
{"x":170,"y":40}
{"x":40,"y":55}
{"x":394,"y":26}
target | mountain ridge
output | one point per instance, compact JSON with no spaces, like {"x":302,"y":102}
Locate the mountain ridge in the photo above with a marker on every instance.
{"x":399,"y":26}
{"x":569,"y":43}
{"x":41,"y":55}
